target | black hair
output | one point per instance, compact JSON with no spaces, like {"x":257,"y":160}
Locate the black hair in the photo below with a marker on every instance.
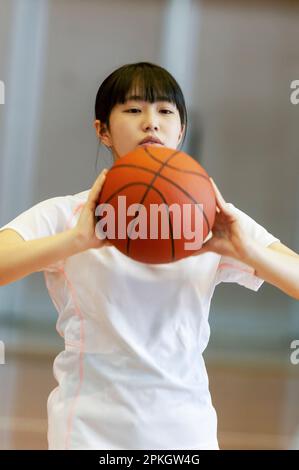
{"x":153,"y":83}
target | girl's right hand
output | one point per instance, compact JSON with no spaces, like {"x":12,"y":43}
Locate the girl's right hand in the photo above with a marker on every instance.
{"x":85,"y":230}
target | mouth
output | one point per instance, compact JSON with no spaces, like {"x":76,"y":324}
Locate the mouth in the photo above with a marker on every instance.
{"x":156,"y":144}
{"x":151,"y":141}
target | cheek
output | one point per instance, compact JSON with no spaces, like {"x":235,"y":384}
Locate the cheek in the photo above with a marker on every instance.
{"x":176,"y":126}
{"x":123,"y":127}
{"x":123,"y":136}
{"x":176,"y":132}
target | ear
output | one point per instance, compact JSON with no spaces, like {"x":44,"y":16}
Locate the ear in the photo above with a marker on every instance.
{"x":102,"y":133}
{"x":181,"y":134}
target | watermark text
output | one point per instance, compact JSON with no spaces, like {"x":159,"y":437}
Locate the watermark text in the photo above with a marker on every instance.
{"x":295,"y":354}
{"x":2,"y":92}
{"x":2,"y":353}
{"x":294,"y":97}
{"x":159,"y":221}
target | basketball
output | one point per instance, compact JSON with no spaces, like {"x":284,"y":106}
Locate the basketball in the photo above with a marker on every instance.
{"x":157,"y":205}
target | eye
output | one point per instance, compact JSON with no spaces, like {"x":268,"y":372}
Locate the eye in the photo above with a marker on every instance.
{"x":162,"y":110}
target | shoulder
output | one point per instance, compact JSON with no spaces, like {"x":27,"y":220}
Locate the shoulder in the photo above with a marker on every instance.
{"x":243,"y":217}
{"x":68,"y":207}
{"x":58,"y":212}
{"x":253,"y":227}
{"x":77,"y":199}
{"x":66,"y":203}
{"x":49,"y":216}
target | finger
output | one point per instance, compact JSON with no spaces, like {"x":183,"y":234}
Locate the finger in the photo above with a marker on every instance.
{"x":100,"y":177}
{"x":96,"y":188}
{"x":223,"y":205}
{"x":219,"y":202}
{"x":219,"y":196}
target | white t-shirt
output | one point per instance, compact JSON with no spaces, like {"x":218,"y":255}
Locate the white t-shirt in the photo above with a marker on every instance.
{"x":132,"y":375}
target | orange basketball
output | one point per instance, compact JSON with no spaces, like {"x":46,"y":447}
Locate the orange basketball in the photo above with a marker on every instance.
{"x":156,"y":198}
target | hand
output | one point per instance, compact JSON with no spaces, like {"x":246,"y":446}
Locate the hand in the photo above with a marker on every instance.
{"x":85,"y":230}
{"x":228,"y":237}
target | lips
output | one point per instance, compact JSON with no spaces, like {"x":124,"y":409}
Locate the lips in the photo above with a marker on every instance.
{"x":150,"y":140}
{"x":148,"y":144}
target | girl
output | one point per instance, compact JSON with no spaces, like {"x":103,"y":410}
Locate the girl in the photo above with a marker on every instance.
{"x":132,"y":375}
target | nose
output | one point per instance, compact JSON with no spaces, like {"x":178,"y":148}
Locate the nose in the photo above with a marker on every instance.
{"x":150,"y":121}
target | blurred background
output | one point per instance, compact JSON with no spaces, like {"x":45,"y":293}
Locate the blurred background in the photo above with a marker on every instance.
{"x":235,"y":61}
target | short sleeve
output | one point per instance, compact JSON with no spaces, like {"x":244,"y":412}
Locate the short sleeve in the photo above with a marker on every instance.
{"x":232,"y":270}
{"x":46,"y":218}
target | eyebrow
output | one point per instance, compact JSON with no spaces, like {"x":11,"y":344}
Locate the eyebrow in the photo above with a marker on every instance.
{"x":140,"y":98}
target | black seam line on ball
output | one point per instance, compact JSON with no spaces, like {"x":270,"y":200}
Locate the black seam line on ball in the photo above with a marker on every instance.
{"x":190,"y":172}
{"x":131,"y":165}
{"x":164,"y":178}
{"x":169,"y":223}
{"x":162,"y":197}
{"x":148,"y":188}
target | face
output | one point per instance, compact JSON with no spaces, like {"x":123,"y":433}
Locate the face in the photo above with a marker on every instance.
{"x":134,"y":120}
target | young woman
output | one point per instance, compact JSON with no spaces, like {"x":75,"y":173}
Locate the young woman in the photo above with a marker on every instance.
{"x":132,"y":375}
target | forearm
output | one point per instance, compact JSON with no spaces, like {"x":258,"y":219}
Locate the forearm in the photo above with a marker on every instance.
{"x":22,"y":259}
{"x":279,"y":269}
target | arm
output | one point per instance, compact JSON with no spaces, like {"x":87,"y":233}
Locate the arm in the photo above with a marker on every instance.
{"x":19,"y":258}
{"x":276,"y":264}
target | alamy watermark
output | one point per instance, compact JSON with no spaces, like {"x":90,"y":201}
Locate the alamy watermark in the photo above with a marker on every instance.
{"x":2,"y":353}
{"x":183,"y":218}
{"x":2,"y":92}
{"x":294,"y":97}
{"x":294,"y":357}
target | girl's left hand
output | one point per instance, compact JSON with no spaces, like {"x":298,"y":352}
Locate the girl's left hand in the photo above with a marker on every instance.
{"x":228,"y":238}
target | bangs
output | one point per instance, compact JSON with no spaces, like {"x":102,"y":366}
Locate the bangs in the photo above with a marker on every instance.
{"x":146,"y":86}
